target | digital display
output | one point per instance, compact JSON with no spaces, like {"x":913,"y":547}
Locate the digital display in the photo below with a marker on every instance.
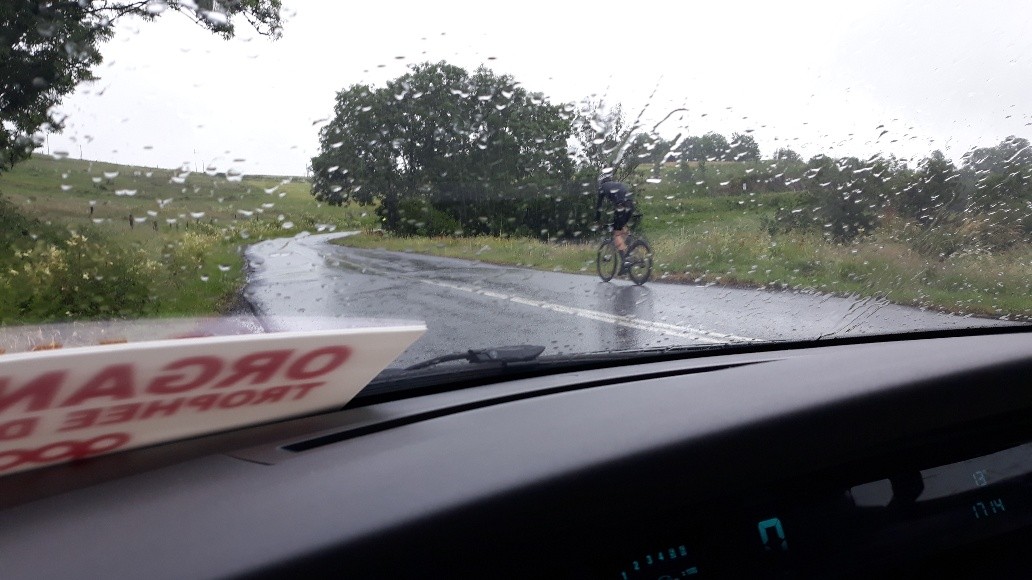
{"x":948,"y":480}
{"x":981,"y":511}
{"x":672,"y":562}
{"x":917,"y":514}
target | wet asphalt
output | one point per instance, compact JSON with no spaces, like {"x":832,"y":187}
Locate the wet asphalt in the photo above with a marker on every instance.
{"x":307,"y":282}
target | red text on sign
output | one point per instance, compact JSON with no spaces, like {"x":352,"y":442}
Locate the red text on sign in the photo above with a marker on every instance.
{"x":62,"y":451}
{"x":119,"y":382}
{"x":124,"y":413}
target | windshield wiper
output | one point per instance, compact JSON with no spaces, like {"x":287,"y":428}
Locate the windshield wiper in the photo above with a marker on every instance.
{"x":510,"y":363}
{"x":501,"y":354}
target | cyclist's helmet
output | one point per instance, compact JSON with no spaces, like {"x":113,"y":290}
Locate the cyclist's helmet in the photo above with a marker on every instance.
{"x":606,"y":178}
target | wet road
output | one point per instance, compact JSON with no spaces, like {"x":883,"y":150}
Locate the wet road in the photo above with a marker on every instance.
{"x":467,"y":304}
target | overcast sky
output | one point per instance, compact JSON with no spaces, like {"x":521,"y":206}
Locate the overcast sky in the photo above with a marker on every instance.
{"x":820,"y":76}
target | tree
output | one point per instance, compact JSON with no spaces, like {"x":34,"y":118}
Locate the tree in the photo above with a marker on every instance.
{"x":607,"y":143}
{"x":655,"y":149}
{"x":1000,"y":174}
{"x":691,"y":149}
{"x":438,"y":131}
{"x":599,"y":131}
{"x":743,"y":148}
{"x":714,"y":147}
{"x":844,"y":196}
{"x":1010,"y":153}
{"x":786,"y":154}
{"x":934,"y":189}
{"x":997,"y":190}
{"x":48,"y":47}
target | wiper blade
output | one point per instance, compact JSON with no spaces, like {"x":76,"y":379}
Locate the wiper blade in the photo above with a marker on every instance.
{"x":396,"y":383}
{"x":502,"y":354}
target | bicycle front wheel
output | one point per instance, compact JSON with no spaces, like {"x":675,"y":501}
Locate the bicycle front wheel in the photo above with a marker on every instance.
{"x":639,"y":261}
{"x":608,"y":260}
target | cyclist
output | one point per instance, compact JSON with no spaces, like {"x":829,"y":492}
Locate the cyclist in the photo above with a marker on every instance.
{"x":623,"y":208}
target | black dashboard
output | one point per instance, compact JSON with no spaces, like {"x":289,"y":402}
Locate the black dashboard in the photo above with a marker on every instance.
{"x":904,"y":458}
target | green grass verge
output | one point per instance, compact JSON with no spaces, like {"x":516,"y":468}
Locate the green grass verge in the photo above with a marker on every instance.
{"x":161,"y":243}
{"x":731,"y":246}
{"x":98,"y":240}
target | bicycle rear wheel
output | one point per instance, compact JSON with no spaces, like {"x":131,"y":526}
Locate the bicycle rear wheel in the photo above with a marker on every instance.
{"x":607,"y":261}
{"x":639,"y":261}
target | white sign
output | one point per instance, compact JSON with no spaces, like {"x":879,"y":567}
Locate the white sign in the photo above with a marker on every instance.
{"x":68,"y":404}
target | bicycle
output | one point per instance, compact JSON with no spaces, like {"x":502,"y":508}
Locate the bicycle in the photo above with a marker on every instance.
{"x":636,"y":262}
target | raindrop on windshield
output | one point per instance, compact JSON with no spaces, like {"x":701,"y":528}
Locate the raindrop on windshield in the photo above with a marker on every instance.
{"x":214,"y":17}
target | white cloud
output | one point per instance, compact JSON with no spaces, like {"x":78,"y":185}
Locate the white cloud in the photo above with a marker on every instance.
{"x":816,"y":75}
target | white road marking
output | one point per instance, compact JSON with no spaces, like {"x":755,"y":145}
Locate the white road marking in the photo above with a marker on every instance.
{"x":697,"y":334}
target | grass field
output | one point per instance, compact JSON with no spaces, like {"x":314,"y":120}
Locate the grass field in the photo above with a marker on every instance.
{"x":131,"y":241}
{"x":724,"y":240}
{"x":66,"y":189}
{"x":107,"y":234}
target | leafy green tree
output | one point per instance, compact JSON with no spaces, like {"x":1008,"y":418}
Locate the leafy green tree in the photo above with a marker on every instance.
{"x":714,"y":147}
{"x":684,"y":173}
{"x":743,"y":147}
{"x":845,"y":197}
{"x":709,"y":147}
{"x":997,"y":191}
{"x":606,"y":142}
{"x":786,"y":154}
{"x":1011,"y":153}
{"x":1000,"y":174}
{"x":48,"y":47}
{"x":652,"y":149}
{"x":360,"y":151}
{"x":438,"y":132}
{"x":691,"y":149}
{"x":656,"y":152}
{"x":935,"y":190}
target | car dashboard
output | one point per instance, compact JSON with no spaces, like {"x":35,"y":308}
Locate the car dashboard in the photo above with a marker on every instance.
{"x":899,"y":458}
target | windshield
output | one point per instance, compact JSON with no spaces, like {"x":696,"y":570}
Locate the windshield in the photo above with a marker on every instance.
{"x":580,"y":178}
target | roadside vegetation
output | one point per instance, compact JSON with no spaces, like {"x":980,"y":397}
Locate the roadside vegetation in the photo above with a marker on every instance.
{"x":96,"y":240}
{"x":476,"y":165}
{"x":505,"y":176}
{"x":709,"y":234}
{"x":76,"y":243}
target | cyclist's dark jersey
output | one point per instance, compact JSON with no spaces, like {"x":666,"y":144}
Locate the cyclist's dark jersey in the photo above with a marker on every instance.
{"x":622,"y":200}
